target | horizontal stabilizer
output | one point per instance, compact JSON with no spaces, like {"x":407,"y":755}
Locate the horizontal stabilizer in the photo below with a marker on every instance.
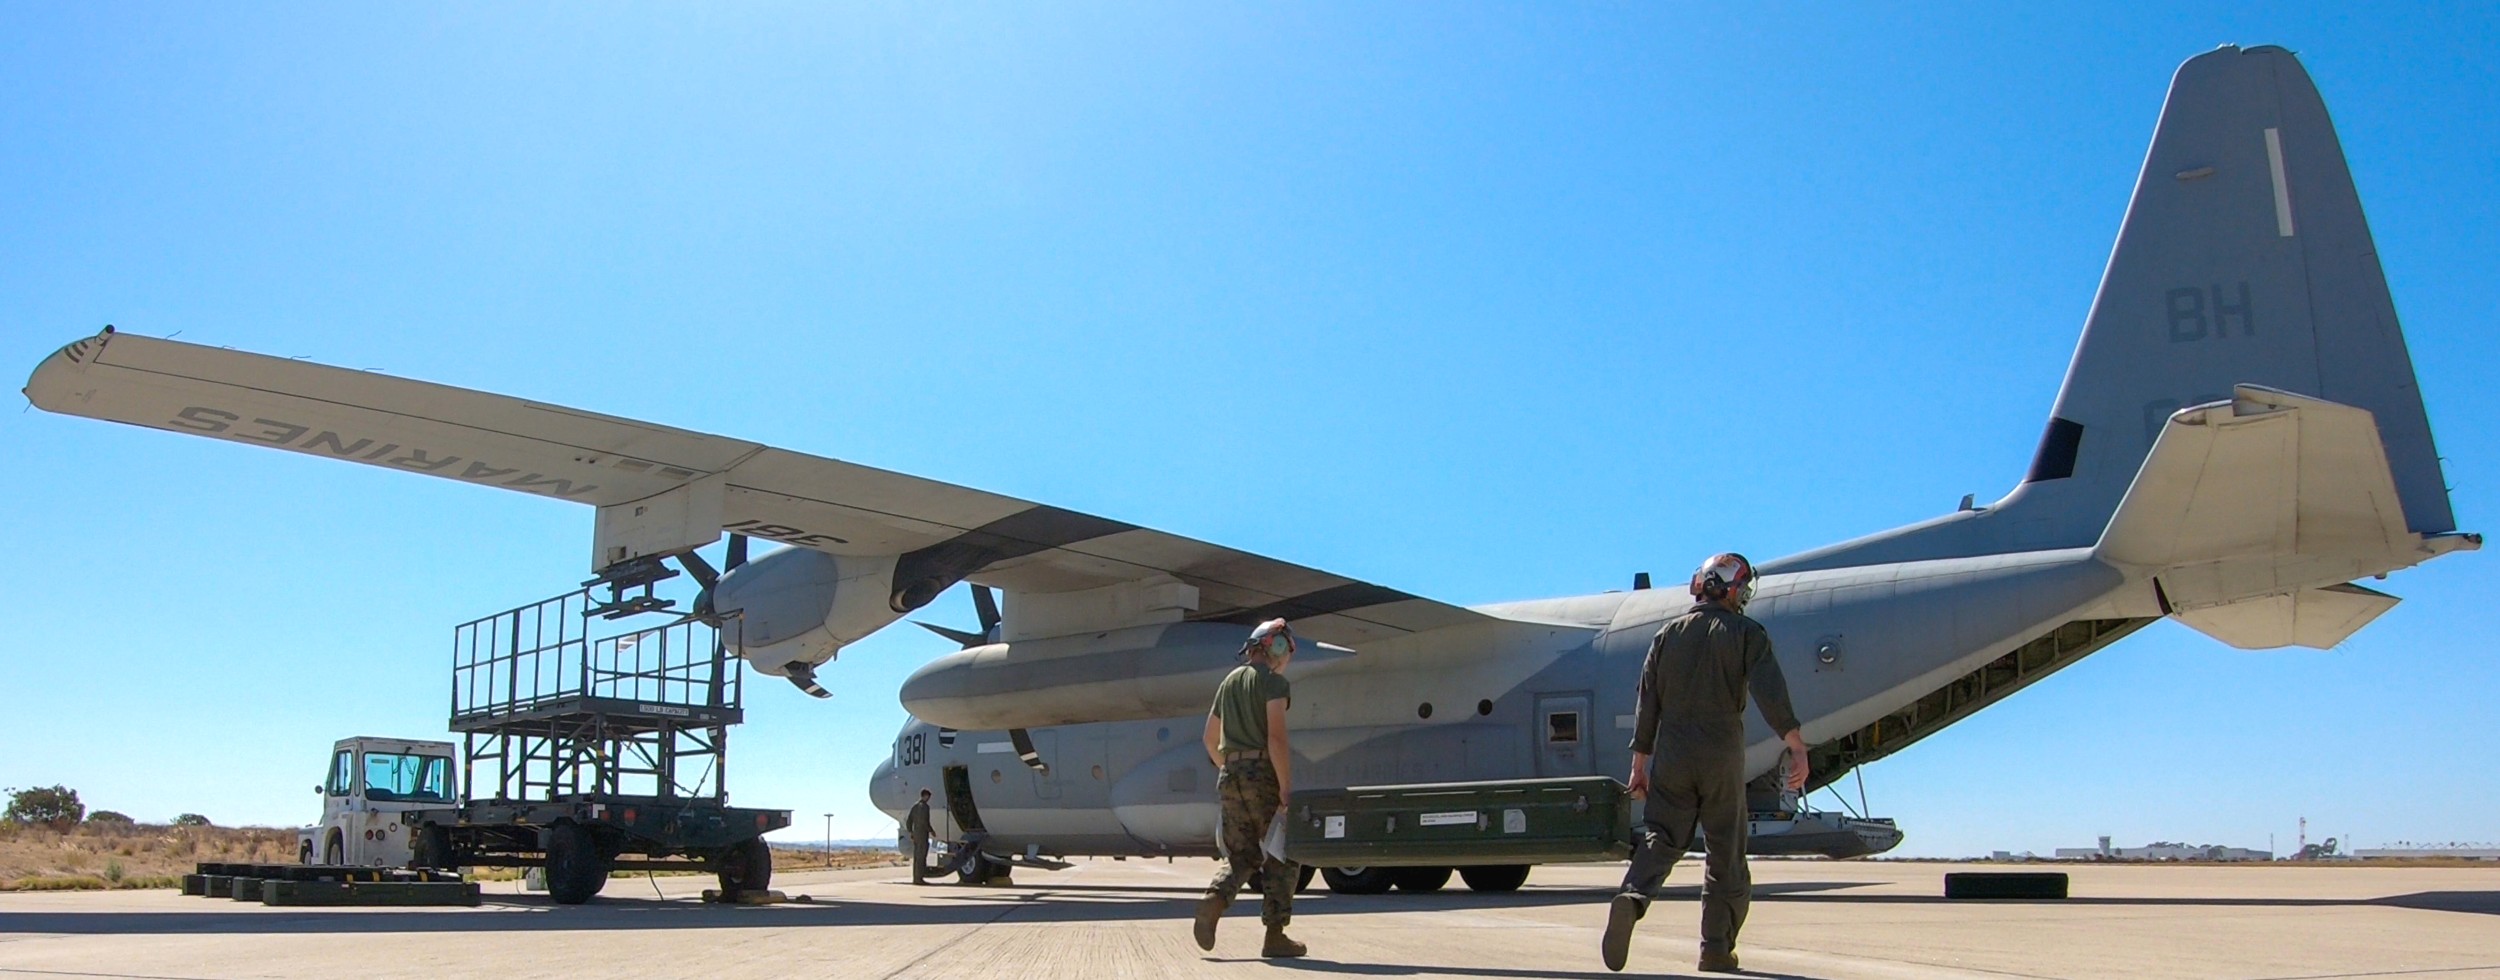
{"x":2268,"y":494}
{"x":2318,"y":618}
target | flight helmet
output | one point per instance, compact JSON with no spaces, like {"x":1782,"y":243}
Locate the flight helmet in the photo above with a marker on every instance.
{"x":1270,"y":637}
{"x":1725,"y":574}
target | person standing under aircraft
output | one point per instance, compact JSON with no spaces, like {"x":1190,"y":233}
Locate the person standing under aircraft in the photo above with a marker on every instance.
{"x":1245,"y":738}
{"x":916,"y":823}
{"x":1688,"y":757}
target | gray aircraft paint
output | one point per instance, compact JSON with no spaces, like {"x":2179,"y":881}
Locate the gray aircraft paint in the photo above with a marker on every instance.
{"x":2240,"y":420}
{"x":2244,"y":259}
{"x":2209,"y":224}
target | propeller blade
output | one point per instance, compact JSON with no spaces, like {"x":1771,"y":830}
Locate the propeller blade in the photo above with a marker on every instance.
{"x":1024,"y":750}
{"x":985,"y":602}
{"x":968,"y":638}
{"x":737,"y":552}
{"x":802,"y":674}
{"x":701,"y":570}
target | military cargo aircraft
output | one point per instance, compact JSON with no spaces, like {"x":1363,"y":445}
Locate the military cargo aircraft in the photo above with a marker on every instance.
{"x":2238,"y":440}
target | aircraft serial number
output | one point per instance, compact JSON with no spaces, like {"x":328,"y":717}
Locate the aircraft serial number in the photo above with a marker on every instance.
{"x":780,"y":532}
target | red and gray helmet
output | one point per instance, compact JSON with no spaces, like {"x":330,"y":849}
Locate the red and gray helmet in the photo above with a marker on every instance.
{"x":1723,"y":575}
{"x":1267,"y":636}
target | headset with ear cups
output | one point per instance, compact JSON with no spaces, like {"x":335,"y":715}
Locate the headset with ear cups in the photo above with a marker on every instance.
{"x":1724,"y":574}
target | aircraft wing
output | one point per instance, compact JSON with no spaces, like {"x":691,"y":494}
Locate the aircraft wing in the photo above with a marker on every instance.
{"x":943,"y":533}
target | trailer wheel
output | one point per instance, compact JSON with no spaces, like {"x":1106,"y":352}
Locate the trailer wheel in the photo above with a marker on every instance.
{"x":1495,"y":877}
{"x":433,"y":848}
{"x":304,"y":855}
{"x":746,"y":867}
{"x":1420,"y":879}
{"x":1357,"y":881}
{"x":575,"y":871}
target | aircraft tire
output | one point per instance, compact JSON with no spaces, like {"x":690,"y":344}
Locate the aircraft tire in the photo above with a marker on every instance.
{"x":1495,"y":877}
{"x":1420,"y":879}
{"x":746,"y":867}
{"x":575,"y":871}
{"x":1358,"y":881}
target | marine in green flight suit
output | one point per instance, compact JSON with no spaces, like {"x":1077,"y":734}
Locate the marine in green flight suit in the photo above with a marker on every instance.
{"x":1688,"y":758}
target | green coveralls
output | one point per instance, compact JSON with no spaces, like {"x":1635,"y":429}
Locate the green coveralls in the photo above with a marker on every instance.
{"x":916,"y":823}
{"x":1691,"y":723}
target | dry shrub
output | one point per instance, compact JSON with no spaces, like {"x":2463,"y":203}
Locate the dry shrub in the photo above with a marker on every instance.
{"x":148,"y":857}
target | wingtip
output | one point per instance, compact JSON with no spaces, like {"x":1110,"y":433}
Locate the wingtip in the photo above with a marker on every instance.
{"x":52,"y":385}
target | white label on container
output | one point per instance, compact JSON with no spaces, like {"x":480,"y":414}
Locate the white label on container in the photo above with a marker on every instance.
{"x":1514,"y":821}
{"x":1333,"y":827}
{"x":1450,"y":818}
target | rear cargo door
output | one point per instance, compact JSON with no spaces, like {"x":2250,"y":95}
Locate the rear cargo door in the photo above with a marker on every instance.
{"x":1562,"y":734}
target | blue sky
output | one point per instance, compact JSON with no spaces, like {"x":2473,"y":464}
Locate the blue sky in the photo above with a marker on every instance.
{"x":1481,"y":302}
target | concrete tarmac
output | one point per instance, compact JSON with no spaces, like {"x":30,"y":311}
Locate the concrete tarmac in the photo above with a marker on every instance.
{"x":1131,"y":919}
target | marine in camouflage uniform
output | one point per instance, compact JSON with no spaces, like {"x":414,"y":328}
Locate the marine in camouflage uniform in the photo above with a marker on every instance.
{"x":1254,"y":770}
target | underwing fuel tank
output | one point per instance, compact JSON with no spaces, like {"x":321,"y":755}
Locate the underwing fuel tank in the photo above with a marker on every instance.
{"x":801,"y":607}
{"x":1121,"y":675}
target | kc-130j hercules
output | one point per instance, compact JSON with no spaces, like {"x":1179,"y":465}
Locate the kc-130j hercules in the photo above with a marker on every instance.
{"x":2237,"y":441}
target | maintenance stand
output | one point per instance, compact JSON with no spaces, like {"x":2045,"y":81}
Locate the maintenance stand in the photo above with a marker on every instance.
{"x":590,"y":754}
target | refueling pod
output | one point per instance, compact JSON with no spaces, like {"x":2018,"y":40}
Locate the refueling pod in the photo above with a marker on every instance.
{"x":798,"y":607}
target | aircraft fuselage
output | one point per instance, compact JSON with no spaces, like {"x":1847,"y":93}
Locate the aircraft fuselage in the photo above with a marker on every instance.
{"x":1546,"y":690}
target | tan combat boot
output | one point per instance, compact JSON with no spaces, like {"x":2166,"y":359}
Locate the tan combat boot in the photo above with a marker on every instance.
{"x":1210,"y":909}
{"x":1280,"y":946}
{"x":1718,"y":962}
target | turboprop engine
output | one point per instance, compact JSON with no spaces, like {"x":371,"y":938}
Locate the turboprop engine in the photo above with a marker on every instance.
{"x":797,"y":608}
{"x":1120,"y":675}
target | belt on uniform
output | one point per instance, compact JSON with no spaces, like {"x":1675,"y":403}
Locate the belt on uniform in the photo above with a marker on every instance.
{"x":1245,"y":755}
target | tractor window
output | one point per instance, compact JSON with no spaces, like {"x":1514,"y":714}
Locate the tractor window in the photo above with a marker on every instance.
{"x":343,"y":773}
{"x":407,"y":778}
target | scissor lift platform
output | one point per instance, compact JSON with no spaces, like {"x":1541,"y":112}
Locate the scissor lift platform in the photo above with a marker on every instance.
{"x":586,"y":754}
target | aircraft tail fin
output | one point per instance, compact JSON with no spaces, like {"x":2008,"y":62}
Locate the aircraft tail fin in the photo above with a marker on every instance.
{"x":2244,"y":259}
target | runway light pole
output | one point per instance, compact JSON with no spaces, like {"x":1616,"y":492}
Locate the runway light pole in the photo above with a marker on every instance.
{"x":828,"y":840}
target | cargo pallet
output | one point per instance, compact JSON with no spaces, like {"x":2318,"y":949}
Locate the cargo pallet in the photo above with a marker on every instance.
{"x":328,"y":884}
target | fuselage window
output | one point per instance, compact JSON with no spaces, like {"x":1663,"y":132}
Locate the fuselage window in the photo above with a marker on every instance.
{"x":1562,"y":728}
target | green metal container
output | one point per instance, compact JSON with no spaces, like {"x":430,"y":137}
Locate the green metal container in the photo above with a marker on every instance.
{"x":1523,"y":821}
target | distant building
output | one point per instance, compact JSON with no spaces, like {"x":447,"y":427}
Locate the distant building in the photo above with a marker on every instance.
{"x":2404,"y":849}
{"x":2163,"y":851}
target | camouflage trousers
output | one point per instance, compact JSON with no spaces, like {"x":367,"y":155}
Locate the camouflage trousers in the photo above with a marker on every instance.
{"x":1246,"y":793}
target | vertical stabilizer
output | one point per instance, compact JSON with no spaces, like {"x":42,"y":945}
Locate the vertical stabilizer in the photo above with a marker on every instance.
{"x":2244,"y":259}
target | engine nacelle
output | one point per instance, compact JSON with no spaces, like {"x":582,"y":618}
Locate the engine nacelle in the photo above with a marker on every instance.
{"x":799,"y":605}
{"x":1120,"y":675}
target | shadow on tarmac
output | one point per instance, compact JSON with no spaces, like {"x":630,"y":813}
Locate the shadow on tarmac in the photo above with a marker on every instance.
{"x":1049,"y":903}
{"x":1399,"y":970}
